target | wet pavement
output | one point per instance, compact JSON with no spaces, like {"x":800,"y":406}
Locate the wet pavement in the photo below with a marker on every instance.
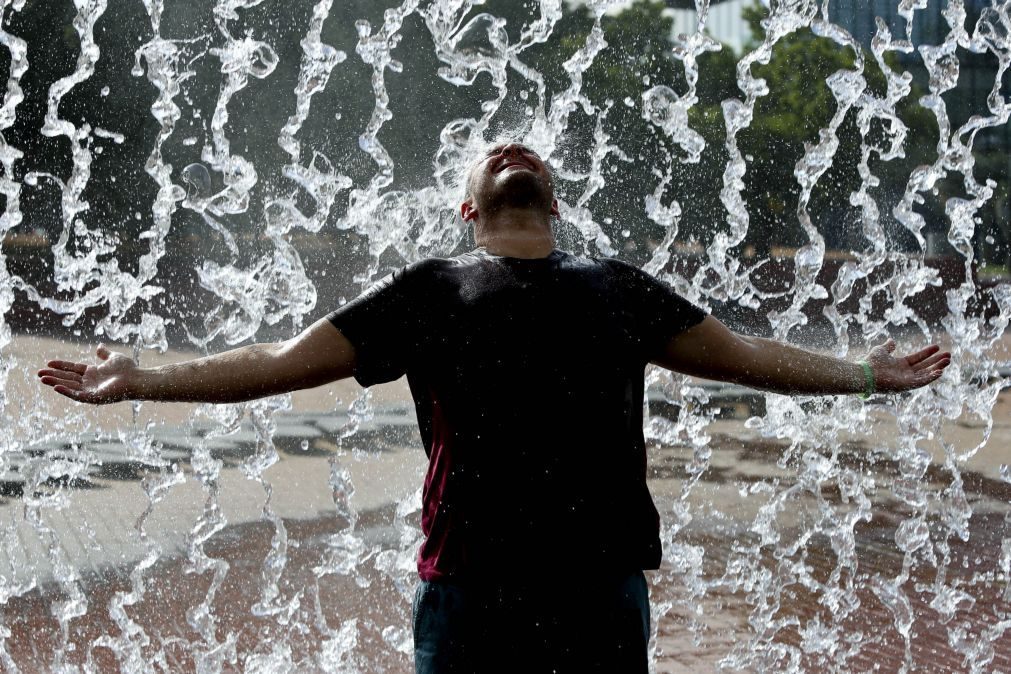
{"x":701,"y":631}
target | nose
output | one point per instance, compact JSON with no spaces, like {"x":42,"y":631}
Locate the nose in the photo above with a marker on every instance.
{"x":511,"y":149}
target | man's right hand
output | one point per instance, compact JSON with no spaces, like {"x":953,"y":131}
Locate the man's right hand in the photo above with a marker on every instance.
{"x":318,"y":355}
{"x":100,"y":384}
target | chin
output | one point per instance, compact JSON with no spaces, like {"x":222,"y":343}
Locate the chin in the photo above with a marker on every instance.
{"x":521,"y":189}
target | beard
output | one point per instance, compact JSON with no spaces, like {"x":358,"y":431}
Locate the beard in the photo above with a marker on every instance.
{"x":517,"y":189}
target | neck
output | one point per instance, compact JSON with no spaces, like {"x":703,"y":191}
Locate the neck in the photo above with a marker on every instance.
{"x":515,"y":233}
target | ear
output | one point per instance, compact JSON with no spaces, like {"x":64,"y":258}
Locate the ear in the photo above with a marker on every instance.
{"x":554,"y":208}
{"x":467,"y":211}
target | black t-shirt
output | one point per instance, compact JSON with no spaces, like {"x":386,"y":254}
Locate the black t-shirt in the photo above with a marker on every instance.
{"x":527,"y":376}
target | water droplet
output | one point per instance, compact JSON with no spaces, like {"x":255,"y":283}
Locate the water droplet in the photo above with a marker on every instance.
{"x":105,"y":91}
{"x":398,"y":637}
{"x":911,"y":535}
{"x":199,"y":179}
{"x":304,"y":444}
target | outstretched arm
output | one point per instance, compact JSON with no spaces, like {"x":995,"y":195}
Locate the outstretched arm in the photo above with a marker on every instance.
{"x":712,"y":351}
{"x":317,"y":356}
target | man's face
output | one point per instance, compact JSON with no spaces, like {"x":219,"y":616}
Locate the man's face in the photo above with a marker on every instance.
{"x":509,"y":175}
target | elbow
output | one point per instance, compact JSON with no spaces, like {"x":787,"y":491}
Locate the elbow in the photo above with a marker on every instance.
{"x":747,"y":366}
{"x":747,"y":343}
{"x":279,"y":368}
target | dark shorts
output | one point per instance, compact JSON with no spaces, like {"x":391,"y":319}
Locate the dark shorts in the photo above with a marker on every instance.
{"x":596,"y":626}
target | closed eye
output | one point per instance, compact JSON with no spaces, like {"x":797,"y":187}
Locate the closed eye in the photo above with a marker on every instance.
{"x":523,"y":150}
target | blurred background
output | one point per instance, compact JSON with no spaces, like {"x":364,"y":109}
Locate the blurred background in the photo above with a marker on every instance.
{"x":641,"y":161}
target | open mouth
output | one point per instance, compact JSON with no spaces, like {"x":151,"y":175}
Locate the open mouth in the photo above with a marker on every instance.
{"x":511,"y":164}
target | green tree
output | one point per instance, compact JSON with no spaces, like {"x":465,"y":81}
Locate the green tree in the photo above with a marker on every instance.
{"x":799,"y":104}
{"x":639,"y":55}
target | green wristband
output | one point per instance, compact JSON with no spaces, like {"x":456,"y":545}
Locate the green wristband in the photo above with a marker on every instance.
{"x":868,"y":380}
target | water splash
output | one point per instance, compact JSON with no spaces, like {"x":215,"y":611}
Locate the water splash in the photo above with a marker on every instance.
{"x":9,"y":187}
{"x":210,"y":655}
{"x":830,"y":500}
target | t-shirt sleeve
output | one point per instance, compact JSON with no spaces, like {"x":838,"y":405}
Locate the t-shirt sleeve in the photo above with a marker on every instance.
{"x":386,"y":324}
{"x":657,"y":312}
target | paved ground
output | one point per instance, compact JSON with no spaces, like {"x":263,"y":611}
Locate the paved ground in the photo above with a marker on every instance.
{"x":96,"y":526}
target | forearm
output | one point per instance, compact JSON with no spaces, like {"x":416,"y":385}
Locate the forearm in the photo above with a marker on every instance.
{"x":229,"y":377}
{"x":782,"y":368}
{"x":713,"y":351}
{"x":318,"y":355}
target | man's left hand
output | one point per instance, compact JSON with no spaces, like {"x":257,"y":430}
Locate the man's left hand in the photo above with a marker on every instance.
{"x":918,"y":369}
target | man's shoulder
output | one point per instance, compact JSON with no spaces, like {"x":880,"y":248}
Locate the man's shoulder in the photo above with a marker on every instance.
{"x":435,"y":267}
{"x":432,"y":274}
{"x":615,"y":266}
{"x":428,"y":265}
{"x":629,"y":276}
{"x":432,"y":266}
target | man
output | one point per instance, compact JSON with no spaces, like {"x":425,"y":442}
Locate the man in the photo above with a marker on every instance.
{"x":526,"y":366}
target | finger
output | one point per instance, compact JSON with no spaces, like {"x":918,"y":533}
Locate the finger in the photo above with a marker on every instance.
{"x":70,"y":393}
{"x":66,"y":383}
{"x":890,"y":345}
{"x":930,"y":363}
{"x":922,"y":377}
{"x":919,"y":356}
{"x":61,"y":374}
{"x":79,"y":368}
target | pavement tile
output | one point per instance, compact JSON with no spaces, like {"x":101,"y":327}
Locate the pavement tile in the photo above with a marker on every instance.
{"x":332,"y":426}
{"x":301,"y":431}
{"x":240,"y":437}
{"x":179,"y":436}
{"x":216,"y":444}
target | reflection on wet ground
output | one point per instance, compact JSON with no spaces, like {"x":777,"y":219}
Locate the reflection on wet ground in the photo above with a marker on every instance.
{"x":172,"y":590}
{"x":702,"y":630}
{"x":720,"y":623}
